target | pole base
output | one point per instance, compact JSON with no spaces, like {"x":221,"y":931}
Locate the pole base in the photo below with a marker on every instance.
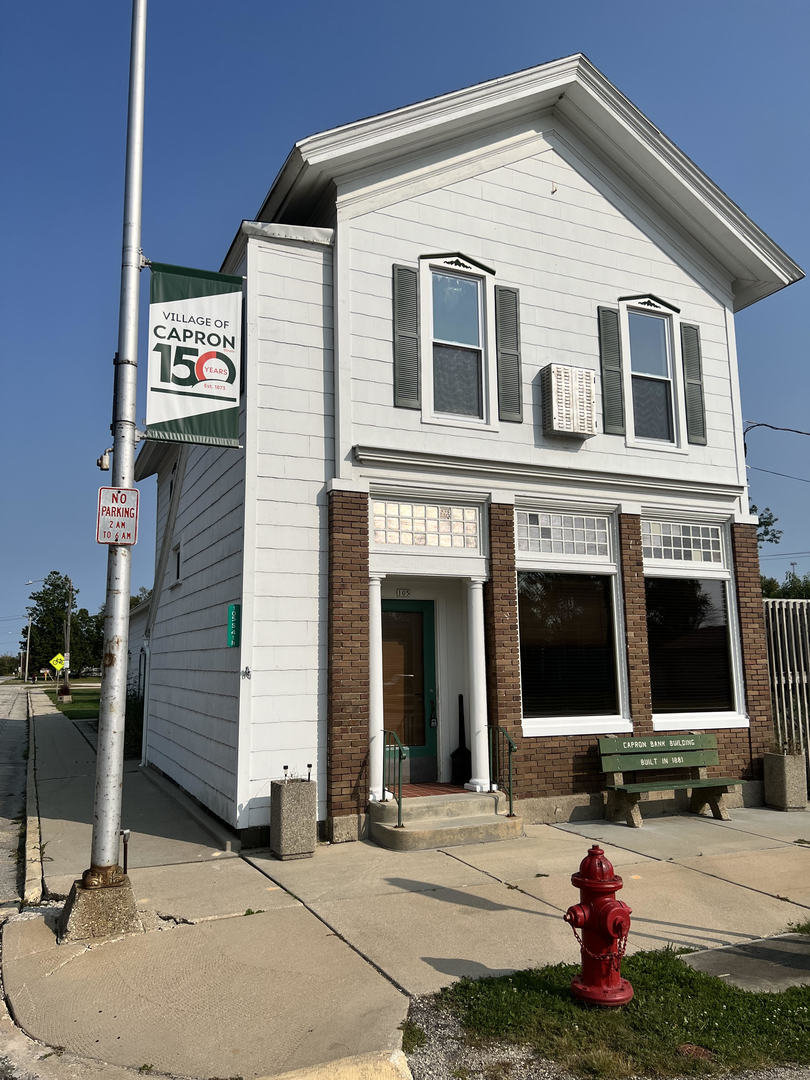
{"x":91,"y":914}
{"x":619,"y":994}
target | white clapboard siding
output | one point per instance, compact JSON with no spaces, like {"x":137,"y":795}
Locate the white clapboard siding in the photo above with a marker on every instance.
{"x":570,"y":238}
{"x":194,"y":677}
{"x":291,"y":455}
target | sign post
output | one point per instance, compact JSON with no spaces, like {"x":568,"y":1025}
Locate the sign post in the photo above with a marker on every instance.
{"x":102,"y":902}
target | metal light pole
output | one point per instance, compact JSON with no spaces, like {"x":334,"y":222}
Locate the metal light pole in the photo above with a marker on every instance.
{"x":31,"y":581}
{"x":102,"y":903}
{"x":104,"y":869}
{"x":27,"y":648}
{"x":67,"y":636}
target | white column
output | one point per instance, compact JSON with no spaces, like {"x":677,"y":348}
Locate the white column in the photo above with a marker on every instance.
{"x":375,"y":690}
{"x":479,"y":747}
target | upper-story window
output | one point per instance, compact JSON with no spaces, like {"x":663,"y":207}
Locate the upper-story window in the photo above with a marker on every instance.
{"x":458,"y":340}
{"x":456,"y":343}
{"x":652,"y":374}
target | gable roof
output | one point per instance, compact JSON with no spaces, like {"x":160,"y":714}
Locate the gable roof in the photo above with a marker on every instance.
{"x":581,"y":95}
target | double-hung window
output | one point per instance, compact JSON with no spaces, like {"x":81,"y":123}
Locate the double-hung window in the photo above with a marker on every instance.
{"x":456,"y":345}
{"x":458,"y":340}
{"x":652,"y":374}
{"x":571,"y":667}
{"x":695,"y":668}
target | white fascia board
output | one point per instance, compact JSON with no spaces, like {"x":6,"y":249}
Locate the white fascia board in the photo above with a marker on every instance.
{"x":499,"y":472}
{"x":511,"y":95}
{"x":624,"y":133}
{"x":262,"y":230}
{"x":151,"y":456}
{"x":612,"y":123}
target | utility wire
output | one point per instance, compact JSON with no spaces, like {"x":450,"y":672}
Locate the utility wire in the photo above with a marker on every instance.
{"x":751,"y":424}
{"x":787,"y":476}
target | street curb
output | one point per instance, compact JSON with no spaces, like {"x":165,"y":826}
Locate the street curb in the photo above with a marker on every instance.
{"x":380,"y":1066}
{"x":32,"y":890}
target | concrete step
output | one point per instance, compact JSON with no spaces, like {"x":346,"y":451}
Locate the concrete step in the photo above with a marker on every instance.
{"x":458,"y":804}
{"x":421,"y":834}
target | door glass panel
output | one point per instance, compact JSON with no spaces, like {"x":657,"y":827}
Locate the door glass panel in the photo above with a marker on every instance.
{"x":403,"y":676}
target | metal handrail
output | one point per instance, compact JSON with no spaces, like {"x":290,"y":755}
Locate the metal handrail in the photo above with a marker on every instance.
{"x":497,"y":737}
{"x":393,"y":754}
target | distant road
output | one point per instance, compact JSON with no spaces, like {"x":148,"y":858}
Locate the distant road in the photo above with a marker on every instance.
{"x":13,"y":744}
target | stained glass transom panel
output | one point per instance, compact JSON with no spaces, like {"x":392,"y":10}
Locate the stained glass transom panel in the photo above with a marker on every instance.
{"x":678,"y":542}
{"x":562,"y":534}
{"x":426,"y":525}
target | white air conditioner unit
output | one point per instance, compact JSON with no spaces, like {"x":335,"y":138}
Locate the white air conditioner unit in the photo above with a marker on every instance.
{"x":569,"y":401}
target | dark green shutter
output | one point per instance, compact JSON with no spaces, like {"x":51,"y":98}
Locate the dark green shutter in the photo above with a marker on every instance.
{"x":693,"y":384}
{"x":610,"y":352}
{"x":507,"y":334}
{"x":406,"y":338}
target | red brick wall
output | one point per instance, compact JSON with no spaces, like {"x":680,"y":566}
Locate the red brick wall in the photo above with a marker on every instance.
{"x":501,"y":623}
{"x":347,"y":688}
{"x":741,"y":751}
{"x":569,"y":764}
{"x":631,"y":568}
{"x":557,"y":765}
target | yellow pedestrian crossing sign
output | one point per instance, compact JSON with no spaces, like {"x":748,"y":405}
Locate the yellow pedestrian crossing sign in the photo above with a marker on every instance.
{"x":58,"y":662}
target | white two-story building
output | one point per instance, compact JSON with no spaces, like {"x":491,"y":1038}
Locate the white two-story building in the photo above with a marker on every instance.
{"x":492,"y":465}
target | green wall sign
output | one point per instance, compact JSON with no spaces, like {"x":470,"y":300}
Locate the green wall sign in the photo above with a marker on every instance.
{"x":234,"y":625}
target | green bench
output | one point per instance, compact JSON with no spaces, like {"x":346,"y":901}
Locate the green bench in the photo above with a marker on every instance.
{"x":687,"y":756}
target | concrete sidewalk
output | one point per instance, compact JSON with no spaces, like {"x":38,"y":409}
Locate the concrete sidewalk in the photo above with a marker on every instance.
{"x":324,"y":968}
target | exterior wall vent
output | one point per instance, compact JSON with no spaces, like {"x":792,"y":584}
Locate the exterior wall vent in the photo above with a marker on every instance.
{"x":569,"y":401}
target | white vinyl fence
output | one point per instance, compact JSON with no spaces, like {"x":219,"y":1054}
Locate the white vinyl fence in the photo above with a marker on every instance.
{"x":787,"y":624}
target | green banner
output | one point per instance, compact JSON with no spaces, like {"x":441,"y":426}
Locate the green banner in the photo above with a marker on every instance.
{"x":195,"y":355}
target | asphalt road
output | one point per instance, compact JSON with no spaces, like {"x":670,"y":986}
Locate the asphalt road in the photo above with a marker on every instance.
{"x":13,"y":764}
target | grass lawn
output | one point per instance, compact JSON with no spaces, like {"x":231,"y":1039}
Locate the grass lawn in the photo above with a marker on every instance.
{"x":680,"y":1022}
{"x":84,"y":706}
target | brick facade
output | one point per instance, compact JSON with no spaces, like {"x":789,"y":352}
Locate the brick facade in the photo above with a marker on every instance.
{"x":741,"y":751}
{"x":631,"y":568}
{"x":569,"y":764}
{"x":348,"y":682}
{"x":544,"y":767}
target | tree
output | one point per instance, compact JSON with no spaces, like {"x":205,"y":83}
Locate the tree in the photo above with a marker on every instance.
{"x":767,"y":533}
{"x":48,"y":610}
{"x":142,"y":594}
{"x":9,"y":664}
{"x":792,"y":588}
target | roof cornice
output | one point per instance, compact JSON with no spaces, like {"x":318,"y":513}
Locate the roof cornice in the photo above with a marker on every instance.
{"x":583,"y":97}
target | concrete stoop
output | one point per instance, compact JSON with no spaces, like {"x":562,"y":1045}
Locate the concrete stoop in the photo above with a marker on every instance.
{"x":435,"y":821}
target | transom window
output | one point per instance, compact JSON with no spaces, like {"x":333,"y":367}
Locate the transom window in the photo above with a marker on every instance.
{"x":651,"y":375}
{"x":561,"y":534}
{"x":679,"y":542}
{"x":457,"y":345}
{"x":427,"y":525}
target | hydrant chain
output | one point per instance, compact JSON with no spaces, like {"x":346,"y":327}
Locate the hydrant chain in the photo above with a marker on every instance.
{"x":615,"y":955}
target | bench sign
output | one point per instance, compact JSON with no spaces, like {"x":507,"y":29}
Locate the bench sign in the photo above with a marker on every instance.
{"x":117,"y":521}
{"x":671,"y":742}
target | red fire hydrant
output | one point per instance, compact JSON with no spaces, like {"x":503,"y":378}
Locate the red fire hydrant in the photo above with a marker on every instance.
{"x":605,"y":924}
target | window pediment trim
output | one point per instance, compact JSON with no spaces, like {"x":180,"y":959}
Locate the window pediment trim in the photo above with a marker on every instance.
{"x":648,"y":300}
{"x":458,"y":261}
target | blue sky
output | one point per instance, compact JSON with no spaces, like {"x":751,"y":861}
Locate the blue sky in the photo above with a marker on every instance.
{"x":230,"y":88}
